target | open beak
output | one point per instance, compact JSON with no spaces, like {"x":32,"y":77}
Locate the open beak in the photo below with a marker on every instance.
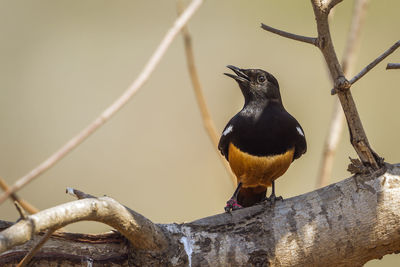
{"x":241,"y":76}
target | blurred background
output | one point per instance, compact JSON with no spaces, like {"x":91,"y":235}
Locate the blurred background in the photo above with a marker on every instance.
{"x":63,"y":62}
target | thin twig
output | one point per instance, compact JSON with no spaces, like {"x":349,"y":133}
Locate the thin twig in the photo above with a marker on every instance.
{"x":375,"y":62}
{"x":201,"y":101}
{"x":78,"y":194}
{"x":393,"y":66}
{"x":24,"y":204}
{"x":36,"y":248}
{"x":117,"y":105}
{"x":20,"y":210}
{"x":348,"y":63}
{"x":305,"y":39}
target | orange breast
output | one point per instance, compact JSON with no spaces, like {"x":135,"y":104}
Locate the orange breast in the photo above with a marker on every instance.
{"x":255,"y":171}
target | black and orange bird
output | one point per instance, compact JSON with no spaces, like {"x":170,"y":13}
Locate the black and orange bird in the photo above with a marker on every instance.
{"x":261,"y":141}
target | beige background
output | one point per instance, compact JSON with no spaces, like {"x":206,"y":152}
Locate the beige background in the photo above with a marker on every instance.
{"x":63,"y":62}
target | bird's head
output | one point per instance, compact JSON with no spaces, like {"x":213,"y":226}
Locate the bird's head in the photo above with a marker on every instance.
{"x":256,"y":84}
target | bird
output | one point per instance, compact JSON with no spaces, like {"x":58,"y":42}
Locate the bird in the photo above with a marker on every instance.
{"x":261,"y":141}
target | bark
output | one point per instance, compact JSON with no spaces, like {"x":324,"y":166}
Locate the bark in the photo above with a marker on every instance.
{"x":344,"y":224}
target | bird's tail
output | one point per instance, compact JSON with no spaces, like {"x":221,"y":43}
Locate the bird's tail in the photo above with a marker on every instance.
{"x":249,"y":196}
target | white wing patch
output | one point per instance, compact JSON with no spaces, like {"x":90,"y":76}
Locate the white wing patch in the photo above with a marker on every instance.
{"x":227,"y":130}
{"x":299,"y":130}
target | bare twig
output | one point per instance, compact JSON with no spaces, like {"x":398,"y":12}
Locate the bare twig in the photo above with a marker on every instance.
{"x":117,"y":105}
{"x":392,"y":66}
{"x":305,"y":39}
{"x":35,"y":249}
{"x":336,"y":125}
{"x":375,"y":62}
{"x":201,"y":101}
{"x":24,"y":204}
{"x":324,"y":42}
{"x":78,"y":194}
{"x":358,"y":137}
{"x":140,"y":231}
{"x":20,"y":210}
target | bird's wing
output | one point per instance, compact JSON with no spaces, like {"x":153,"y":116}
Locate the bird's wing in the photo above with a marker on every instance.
{"x":301,"y":144}
{"x":225,"y":139}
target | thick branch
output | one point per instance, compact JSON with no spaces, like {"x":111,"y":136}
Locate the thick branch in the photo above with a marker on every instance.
{"x":111,"y":110}
{"x":70,"y":249}
{"x":141,"y":232}
{"x":344,"y":224}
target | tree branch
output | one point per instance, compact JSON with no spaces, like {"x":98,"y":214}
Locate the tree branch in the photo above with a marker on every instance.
{"x":71,"y":249}
{"x":35,"y":249}
{"x":336,"y":125}
{"x":24,"y":204}
{"x":305,"y":39}
{"x":344,"y":224}
{"x":141,"y":232}
{"x":324,"y":42}
{"x":375,"y":62}
{"x":201,"y":101}
{"x":111,"y":110}
{"x":392,"y":66}
{"x":358,"y":136}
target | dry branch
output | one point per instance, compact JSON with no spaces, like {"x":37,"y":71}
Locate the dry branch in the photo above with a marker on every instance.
{"x":371,"y":65}
{"x":359,"y":140}
{"x":78,"y":194}
{"x":392,"y":66}
{"x":116,"y":106}
{"x":24,"y":204}
{"x":201,"y":101}
{"x":336,"y":124}
{"x":301,"y":38}
{"x":35,"y":249}
{"x":344,"y":224}
{"x":141,"y":232}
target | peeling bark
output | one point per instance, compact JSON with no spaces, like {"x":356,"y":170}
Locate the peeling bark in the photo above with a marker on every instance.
{"x":343,"y":224}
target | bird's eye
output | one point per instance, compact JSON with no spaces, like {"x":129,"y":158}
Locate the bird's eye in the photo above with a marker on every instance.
{"x":261,"y":78}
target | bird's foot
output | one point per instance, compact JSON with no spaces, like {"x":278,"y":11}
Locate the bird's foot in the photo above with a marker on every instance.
{"x":232,"y":204}
{"x":272,"y":199}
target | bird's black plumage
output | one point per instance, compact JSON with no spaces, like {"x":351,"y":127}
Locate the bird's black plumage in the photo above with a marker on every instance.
{"x":263,"y":128}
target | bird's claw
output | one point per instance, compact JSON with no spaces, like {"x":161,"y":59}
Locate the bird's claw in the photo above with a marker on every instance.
{"x":232,"y":204}
{"x":272,"y":199}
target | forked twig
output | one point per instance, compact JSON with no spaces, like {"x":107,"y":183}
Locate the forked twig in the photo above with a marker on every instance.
{"x":337,"y":119}
{"x":116,"y":106}
{"x":201,"y":101}
{"x":358,"y":137}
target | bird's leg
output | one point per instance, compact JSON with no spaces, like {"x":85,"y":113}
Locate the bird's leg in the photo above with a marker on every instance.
{"x":232,"y":203}
{"x":273,"y":198}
